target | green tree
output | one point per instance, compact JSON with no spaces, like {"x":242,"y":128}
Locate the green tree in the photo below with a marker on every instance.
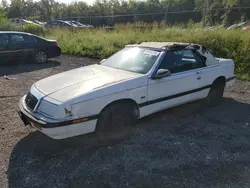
{"x":2,"y":15}
{"x":103,"y":12}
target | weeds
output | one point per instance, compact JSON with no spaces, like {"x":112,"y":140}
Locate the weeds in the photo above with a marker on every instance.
{"x":100,"y":43}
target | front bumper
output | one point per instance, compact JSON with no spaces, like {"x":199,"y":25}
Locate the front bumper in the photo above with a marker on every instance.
{"x":43,"y":126}
{"x":57,"y":129}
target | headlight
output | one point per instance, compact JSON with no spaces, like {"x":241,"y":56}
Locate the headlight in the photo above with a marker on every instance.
{"x":47,"y":108}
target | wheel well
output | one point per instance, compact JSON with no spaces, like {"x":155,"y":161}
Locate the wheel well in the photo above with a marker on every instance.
{"x":219,"y":78}
{"x":40,"y":50}
{"x":43,"y":50}
{"x":131,"y":101}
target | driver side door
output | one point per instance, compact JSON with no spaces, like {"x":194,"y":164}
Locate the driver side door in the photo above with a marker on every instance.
{"x":180,"y":87}
{"x":4,"y":47}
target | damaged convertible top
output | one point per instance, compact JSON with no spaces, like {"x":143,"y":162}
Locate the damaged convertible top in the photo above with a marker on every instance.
{"x":163,"y":46}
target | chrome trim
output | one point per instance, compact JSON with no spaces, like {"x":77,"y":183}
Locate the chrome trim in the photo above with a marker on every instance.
{"x":34,"y":91}
{"x":159,"y":60}
{"x":37,"y":104}
{"x":36,"y":114}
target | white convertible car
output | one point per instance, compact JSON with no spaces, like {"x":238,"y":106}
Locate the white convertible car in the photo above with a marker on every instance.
{"x":135,"y":82}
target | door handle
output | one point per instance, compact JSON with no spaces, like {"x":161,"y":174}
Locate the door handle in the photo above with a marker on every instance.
{"x":198,"y":72}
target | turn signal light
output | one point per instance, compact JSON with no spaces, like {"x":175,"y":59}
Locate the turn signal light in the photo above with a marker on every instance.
{"x":80,"y":120}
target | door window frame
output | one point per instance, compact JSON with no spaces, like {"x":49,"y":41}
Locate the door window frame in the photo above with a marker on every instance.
{"x":203,"y":59}
{"x":8,"y":36}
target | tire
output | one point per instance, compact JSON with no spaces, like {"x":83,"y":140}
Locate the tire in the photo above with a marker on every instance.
{"x":116,"y":118}
{"x":40,"y":57}
{"x":215,"y":94}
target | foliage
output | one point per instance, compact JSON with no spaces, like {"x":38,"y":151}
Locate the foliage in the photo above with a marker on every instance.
{"x":211,"y":12}
{"x":2,"y":15}
{"x":99,"y":43}
{"x":35,"y":29}
{"x":5,"y":25}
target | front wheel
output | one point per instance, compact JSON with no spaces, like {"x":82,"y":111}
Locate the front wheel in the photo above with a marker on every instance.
{"x":40,"y":57}
{"x":215,"y":94}
{"x":116,"y":118}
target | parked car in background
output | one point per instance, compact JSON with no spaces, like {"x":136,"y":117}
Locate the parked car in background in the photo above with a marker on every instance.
{"x":19,"y":45}
{"x":78,"y":24}
{"x":237,"y":26}
{"x":214,"y":27}
{"x":232,"y":27}
{"x":135,"y":82}
{"x":74,"y":25}
{"x":19,"y":21}
{"x":38,"y":22}
{"x":209,"y":28}
{"x":59,"y":24}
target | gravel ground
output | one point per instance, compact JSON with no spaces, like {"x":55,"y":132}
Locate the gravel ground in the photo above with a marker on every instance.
{"x":187,"y":146}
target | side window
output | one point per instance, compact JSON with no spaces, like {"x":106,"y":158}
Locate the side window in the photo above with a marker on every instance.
{"x":15,"y":38}
{"x":190,"y":56}
{"x":3,"y":40}
{"x":20,"y":39}
{"x":181,"y":60}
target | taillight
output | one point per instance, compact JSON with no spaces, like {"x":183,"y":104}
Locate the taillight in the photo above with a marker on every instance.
{"x":57,"y":44}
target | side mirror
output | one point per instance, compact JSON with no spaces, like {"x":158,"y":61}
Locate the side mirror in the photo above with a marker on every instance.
{"x":102,"y":61}
{"x":162,"y":73}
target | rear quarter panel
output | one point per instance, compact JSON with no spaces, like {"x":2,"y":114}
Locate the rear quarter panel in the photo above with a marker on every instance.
{"x":225,"y":68}
{"x":51,"y":49}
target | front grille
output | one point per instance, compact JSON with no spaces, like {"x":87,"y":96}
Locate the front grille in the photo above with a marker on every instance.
{"x":31,"y":101}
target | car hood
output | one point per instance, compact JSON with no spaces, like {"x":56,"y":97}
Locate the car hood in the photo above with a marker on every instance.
{"x":70,"y":84}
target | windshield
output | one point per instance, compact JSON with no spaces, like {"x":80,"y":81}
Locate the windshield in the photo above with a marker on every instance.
{"x":134,"y":59}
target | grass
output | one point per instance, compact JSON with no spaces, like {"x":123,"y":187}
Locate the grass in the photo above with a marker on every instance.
{"x":101,"y":43}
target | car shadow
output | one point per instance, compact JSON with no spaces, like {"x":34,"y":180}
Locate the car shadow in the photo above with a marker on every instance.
{"x":27,"y":66}
{"x":211,"y":153}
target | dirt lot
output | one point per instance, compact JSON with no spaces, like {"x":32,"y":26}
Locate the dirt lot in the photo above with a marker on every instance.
{"x":188,"y":146}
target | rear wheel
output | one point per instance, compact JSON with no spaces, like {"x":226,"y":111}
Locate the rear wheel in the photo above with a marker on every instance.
{"x":215,"y":94}
{"x":40,"y":57}
{"x":116,"y":118}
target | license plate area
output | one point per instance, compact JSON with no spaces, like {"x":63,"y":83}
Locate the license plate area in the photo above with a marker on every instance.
{"x":24,"y":119}
{"x":27,"y":121}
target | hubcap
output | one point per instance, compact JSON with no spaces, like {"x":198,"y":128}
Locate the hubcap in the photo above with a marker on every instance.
{"x":41,"y":57}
